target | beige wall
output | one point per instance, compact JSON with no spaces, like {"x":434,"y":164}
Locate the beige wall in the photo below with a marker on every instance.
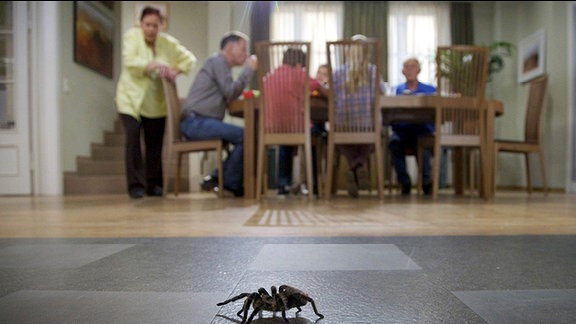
{"x":87,"y":106}
{"x":510,"y":21}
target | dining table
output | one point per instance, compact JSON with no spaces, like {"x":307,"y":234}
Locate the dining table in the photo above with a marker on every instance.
{"x":417,"y":109}
{"x":422,"y":109}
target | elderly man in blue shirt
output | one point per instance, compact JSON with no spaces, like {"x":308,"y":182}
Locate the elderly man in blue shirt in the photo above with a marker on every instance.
{"x":405,"y":135}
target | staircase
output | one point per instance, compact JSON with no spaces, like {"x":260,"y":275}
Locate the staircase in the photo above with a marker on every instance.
{"x":103,"y":171}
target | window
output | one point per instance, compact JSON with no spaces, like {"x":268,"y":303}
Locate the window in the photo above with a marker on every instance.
{"x":415,"y":29}
{"x":304,"y":21}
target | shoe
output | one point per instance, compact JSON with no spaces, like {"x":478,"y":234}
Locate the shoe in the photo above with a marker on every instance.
{"x":229,"y":193}
{"x":283,"y":191}
{"x":300,"y":189}
{"x":406,"y":188}
{"x":225,"y":194}
{"x":363,"y":179}
{"x":209,"y":183}
{"x":352,"y":185}
{"x":237,"y":193}
{"x":427,"y":189}
{"x":155,"y":192}
{"x":136,"y":193}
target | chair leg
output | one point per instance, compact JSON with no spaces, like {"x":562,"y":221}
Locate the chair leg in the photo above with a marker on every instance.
{"x":388,"y":168}
{"x":528,"y":176}
{"x":471,"y":172}
{"x":543,"y":171}
{"x":166,"y":169}
{"x":329,"y":170}
{"x":220,"y":172}
{"x":335,"y":172}
{"x":259,"y":170}
{"x":177,"y":177}
{"x":308,"y":158}
{"x":494,"y":167}
{"x":379,"y":151}
{"x":265,"y":172}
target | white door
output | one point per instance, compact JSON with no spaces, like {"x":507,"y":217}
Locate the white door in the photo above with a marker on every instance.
{"x":15,"y":178}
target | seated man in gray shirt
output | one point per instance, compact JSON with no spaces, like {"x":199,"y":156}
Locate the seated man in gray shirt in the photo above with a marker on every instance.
{"x":203,"y":112}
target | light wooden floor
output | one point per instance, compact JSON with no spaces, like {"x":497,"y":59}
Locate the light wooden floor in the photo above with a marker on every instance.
{"x":110,"y":259}
{"x":203,"y":215}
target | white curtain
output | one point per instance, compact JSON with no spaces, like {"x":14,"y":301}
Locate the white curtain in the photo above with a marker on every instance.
{"x":316,"y":22}
{"x":415,"y":29}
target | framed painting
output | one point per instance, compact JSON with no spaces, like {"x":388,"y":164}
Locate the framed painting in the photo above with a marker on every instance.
{"x":532,"y":56}
{"x":93,"y":38}
{"x":162,"y":6}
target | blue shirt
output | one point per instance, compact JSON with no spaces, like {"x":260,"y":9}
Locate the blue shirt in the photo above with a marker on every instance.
{"x":409,"y":128}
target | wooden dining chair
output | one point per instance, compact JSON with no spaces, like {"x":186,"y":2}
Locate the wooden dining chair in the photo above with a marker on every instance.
{"x":176,"y":145}
{"x":284,"y":117}
{"x":460,"y":112}
{"x":532,"y":142}
{"x":354,"y":64}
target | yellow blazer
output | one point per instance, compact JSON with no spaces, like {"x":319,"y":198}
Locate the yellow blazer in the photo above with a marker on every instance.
{"x":138,"y":94}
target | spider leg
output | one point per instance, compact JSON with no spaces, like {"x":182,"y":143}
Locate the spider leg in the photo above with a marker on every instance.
{"x":284,"y":316}
{"x":256,"y":310}
{"x":234,"y":299}
{"x":314,"y":306}
{"x":246,"y":307}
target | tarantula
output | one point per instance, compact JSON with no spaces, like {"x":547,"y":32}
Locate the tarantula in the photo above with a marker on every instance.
{"x":280,"y":300}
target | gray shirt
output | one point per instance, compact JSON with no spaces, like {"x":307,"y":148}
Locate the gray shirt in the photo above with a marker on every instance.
{"x":214,"y":88}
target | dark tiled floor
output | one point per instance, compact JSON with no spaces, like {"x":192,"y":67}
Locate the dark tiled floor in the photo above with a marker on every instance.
{"x":488,"y":279}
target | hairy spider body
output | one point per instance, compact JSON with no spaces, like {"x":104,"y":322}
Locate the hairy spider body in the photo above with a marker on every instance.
{"x":280,"y":300}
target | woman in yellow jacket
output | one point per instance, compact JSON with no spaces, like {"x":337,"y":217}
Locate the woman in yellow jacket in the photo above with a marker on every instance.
{"x":148,"y":55}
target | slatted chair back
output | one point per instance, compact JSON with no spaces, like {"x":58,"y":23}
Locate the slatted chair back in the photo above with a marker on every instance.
{"x":283,"y":80}
{"x":460,"y":119}
{"x":177,"y":145}
{"x":354,"y":101}
{"x":532,"y":134}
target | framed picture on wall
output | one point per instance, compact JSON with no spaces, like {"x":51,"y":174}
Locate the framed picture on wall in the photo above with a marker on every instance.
{"x":532,"y":56}
{"x":93,"y":38}
{"x":162,"y":6}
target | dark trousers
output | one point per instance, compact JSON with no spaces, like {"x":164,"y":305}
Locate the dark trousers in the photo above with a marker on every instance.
{"x":286,"y":153}
{"x":285,"y":161}
{"x":139,"y":173}
{"x":398,"y":145}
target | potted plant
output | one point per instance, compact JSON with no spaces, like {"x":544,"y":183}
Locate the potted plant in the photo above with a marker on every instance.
{"x":498,"y":51}
{"x":454,"y":66}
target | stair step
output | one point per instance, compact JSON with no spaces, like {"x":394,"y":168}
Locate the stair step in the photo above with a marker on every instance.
{"x":113,"y":139}
{"x":87,"y":166}
{"x":75,"y":184}
{"x":118,"y":127}
{"x":103,"y":172}
{"x":107,"y":152}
